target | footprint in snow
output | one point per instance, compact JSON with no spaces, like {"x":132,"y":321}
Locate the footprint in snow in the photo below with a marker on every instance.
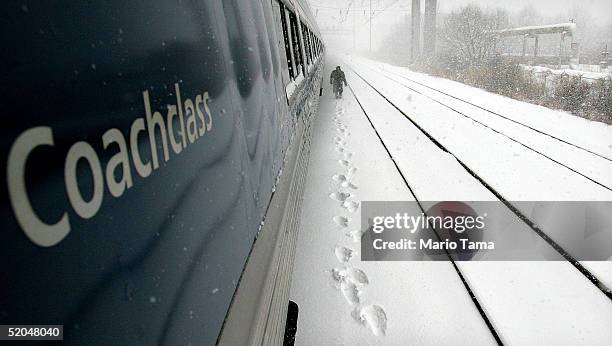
{"x":341,"y":221}
{"x":340,"y":178}
{"x":354,"y":275}
{"x":357,"y":276}
{"x":344,"y":181}
{"x":337,"y":274}
{"x":352,"y":171}
{"x":345,"y":163}
{"x":339,"y":141}
{"x":350,"y":206}
{"x":343,"y":253}
{"x":340,"y":196}
{"x":340,"y":149}
{"x":355,"y":235}
{"x":350,"y":292}
{"x":343,"y":132}
{"x":348,"y":156}
{"x":374,"y":317}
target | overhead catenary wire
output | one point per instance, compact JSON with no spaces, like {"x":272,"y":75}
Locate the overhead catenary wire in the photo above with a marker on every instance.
{"x":368,"y":8}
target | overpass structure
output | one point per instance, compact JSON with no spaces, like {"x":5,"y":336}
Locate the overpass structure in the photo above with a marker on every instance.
{"x":564,"y":30}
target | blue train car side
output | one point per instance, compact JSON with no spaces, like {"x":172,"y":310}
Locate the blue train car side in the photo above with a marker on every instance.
{"x":141,"y":146}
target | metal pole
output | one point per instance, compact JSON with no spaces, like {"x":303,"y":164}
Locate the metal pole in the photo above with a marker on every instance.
{"x":562,"y":41}
{"x":354,"y":30}
{"x":429,"y":26}
{"x":416,"y":30}
{"x":370,"y":26}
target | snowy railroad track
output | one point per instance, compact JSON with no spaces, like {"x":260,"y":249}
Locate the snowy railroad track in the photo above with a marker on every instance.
{"x":577,"y":146}
{"x":427,"y":302}
{"x":560,"y":151}
{"x":520,"y":214}
{"x":499,"y":110}
{"x":377,"y":302}
{"x":465,"y":283}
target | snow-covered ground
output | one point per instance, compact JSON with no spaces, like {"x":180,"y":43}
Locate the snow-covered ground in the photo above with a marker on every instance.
{"x":516,"y":172}
{"x":343,"y":300}
{"x":598,"y":168}
{"x":583,"y":132}
{"x":420,"y":301}
{"x":587,"y":75}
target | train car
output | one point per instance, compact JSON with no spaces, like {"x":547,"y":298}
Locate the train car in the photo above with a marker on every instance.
{"x":153,"y":159}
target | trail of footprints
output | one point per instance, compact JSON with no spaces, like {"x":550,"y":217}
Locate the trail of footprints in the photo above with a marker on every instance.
{"x":351,"y":281}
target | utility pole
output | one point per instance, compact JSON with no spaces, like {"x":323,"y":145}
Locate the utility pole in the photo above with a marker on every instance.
{"x":354,"y":33}
{"x":429,"y":28}
{"x":370,"y":26}
{"x":415,"y":42}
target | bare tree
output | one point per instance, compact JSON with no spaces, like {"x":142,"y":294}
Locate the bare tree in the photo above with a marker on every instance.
{"x":468,"y":34}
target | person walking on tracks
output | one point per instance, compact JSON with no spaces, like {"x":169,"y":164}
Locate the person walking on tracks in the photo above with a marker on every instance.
{"x":336,"y":79}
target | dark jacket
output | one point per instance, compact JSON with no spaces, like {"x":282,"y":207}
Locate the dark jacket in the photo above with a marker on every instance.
{"x":337,"y":77}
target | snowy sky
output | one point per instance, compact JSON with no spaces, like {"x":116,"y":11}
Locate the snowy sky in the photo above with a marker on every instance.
{"x":338,"y":25}
{"x":601,"y":10}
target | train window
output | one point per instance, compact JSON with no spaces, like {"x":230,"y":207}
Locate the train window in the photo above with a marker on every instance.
{"x":287,"y":39}
{"x":306,"y":44}
{"x":311,"y":50}
{"x":312,"y":46}
{"x":297,"y":46}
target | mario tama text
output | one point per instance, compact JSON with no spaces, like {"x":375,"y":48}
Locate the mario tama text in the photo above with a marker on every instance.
{"x":486,"y":230}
